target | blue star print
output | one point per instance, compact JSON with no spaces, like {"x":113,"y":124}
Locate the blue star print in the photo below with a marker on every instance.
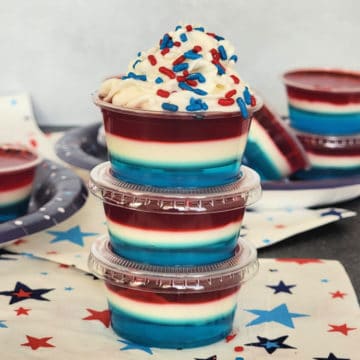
{"x":74,"y":235}
{"x":271,"y":345}
{"x":132,"y":346}
{"x":332,"y":212}
{"x":281,"y":287}
{"x":279,"y":314}
{"x":2,"y":325}
{"x":330,"y":357}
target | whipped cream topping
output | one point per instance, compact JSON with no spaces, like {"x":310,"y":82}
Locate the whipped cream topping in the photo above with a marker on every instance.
{"x":190,"y":70}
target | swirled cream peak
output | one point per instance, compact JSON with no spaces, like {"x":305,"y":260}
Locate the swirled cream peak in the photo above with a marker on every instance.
{"x":190,"y":70}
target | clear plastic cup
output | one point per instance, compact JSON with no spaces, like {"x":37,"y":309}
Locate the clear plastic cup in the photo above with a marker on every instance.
{"x":166,"y":226}
{"x":324,"y":101}
{"x":330,"y":156}
{"x":172,"y":307}
{"x":179,"y":149}
{"x":17,"y":172}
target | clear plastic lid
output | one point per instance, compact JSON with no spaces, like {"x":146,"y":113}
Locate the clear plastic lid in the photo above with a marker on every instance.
{"x":173,"y":279}
{"x":238,"y":194}
{"x":329,"y":141}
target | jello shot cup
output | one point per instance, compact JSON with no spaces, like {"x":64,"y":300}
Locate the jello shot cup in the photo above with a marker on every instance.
{"x":17,"y":172}
{"x":182,"y":149}
{"x":173,"y":227}
{"x":324,"y":101}
{"x":172,"y":307}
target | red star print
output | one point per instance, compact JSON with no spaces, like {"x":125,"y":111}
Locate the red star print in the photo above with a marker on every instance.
{"x":230,"y":337}
{"x":19,"y":242}
{"x":279,"y":226}
{"x":22,"y":311}
{"x":103,"y":316}
{"x":238,"y":348}
{"x":341,"y":328}
{"x":338,"y":294}
{"x":53,"y":252}
{"x":65,"y":266}
{"x":299,"y":261}
{"x":36,"y":343}
{"x":22,"y":294}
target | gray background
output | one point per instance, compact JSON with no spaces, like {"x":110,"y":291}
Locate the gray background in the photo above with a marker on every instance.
{"x":59,"y":51}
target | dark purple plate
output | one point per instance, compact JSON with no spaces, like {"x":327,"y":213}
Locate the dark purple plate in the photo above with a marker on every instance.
{"x":57,"y":194}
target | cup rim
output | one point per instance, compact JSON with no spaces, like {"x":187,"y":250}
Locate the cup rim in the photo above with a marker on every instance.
{"x":20,"y":167}
{"x":182,"y":114}
{"x":321,"y":70}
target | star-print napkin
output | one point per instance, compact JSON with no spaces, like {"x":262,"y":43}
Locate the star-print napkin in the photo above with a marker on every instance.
{"x":69,"y":242}
{"x":293,"y":309}
{"x":18,"y":125}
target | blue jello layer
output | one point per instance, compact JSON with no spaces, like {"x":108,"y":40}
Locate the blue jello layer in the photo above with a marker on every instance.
{"x":206,"y":254}
{"x":323,"y":123}
{"x":166,"y":177}
{"x":14,"y":210}
{"x":174,"y":336}
{"x":259,"y":160}
{"x":326,"y":173}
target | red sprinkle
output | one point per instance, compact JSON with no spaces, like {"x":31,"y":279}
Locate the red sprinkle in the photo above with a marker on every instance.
{"x":235,"y":78}
{"x":181,"y":78}
{"x":167,"y":72}
{"x":164,"y":51}
{"x":179,"y":60}
{"x":188,"y":28}
{"x":197,"y":48}
{"x":215,"y":55}
{"x":238,"y":348}
{"x":211,"y":34}
{"x":253,"y":100}
{"x":230,"y":93}
{"x":191,"y":82}
{"x":226,"y":101}
{"x":186,"y":72}
{"x":163,"y":93}
{"x":177,"y":43}
{"x":152,"y":60}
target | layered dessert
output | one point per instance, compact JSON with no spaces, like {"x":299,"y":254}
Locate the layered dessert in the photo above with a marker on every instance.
{"x":330,"y":156}
{"x":157,"y":226}
{"x":324,"y":101}
{"x":17,"y":172}
{"x":181,"y":114}
{"x":172,"y":307}
{"x":272,"y":148}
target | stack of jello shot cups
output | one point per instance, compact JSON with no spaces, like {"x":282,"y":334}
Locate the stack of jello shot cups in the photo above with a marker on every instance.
{"x":324,"y":111}
{"x":174,"y":195}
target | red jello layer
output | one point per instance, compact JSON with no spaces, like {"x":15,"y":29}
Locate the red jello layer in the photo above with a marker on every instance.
{"x":175,"y":298}
{"x":284,"y":140}
{"x":174,"y":128}
{"x":171,"y":222}
{"x":16,"y":179}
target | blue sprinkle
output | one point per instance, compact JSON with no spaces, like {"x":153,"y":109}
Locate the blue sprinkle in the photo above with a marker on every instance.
{"x":221,"y":71}
{"x":242,"y":106}
{"x":132,"y":75}
{"x":247,"y":96}
{"x":139,"y":54}
{"x":194,"y":107}
{"x":200,"y":28}
{"x":180,"y":67}
{"x":218,"y":38}
{"x":185,"y":86}
{"x":222,"y":52}
{"x":164,"y":42}
{"x":178,"y":27}
{"x":170,"y":44}
{"x":192,"y":55}
{"x":183,"y":37}
{"x":135,"y":63}
{"x":159,"y":80}
{"x":169,"y":107}
{"x":196,"y":76}
{"x":234,"y":58}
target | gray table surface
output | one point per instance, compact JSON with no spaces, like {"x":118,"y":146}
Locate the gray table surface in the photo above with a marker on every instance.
{"x":337,"y":241}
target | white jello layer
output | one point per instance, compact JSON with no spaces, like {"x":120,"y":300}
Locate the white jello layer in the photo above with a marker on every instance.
{"x":155,"y":153}
{"x":168,"y":239}
{"x":173,"y":313}
{"x":9,"y":197}
{"x":323,"y":107}
{"x":340,"y":162}
{"x":262,"y":138}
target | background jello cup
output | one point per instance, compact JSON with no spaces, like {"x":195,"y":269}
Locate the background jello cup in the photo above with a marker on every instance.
{"x":166,"y":227}
{"x":17,"y":172}
{"x":174,"y":149}
{"x":324,"y":101}
{"x":330,"y":156}
{"x":272,"y":148}
{"x":172,"y":307}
